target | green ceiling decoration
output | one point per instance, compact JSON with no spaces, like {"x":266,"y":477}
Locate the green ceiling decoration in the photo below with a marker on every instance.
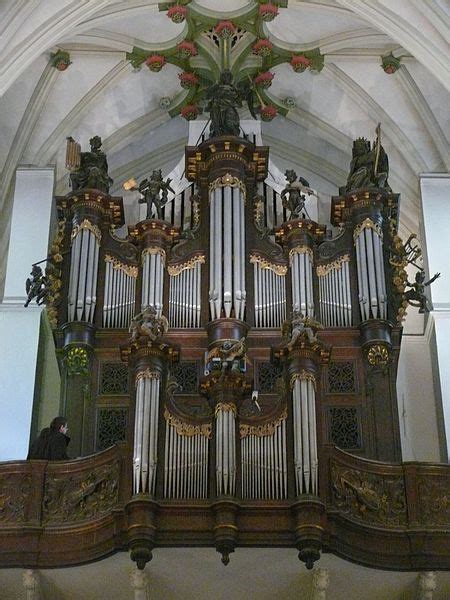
{"x":212,"y":42}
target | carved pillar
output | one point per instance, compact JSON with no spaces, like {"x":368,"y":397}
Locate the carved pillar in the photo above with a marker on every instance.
{"x":304,"y":355}
{"x":225,"y":387}
{"x":155,"y":239}
{"x":372,"y":213}
{"x":226,"y":170}
{"x":32,"y":584}
{"x":299,"y":238}
{"x":148,"y":357}
{"x":321,"y":581}
{"x":139,"y":584}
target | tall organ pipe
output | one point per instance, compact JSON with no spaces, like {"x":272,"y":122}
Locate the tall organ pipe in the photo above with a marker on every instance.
{"x":146,"y":432}
{"x":368,"y":240}
{"x":82,"y":295}
{"x":153,"y":260}
{"x":305,"y":434}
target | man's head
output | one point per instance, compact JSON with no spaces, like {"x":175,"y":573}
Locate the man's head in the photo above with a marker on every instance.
{"x":59,"y":424}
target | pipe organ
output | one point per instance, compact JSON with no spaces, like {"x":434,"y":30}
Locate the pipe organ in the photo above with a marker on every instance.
{"x":244,"y":327}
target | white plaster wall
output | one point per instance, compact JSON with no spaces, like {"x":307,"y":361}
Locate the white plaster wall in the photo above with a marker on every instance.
{"x":416,"y":400}
{"x":19,"y":326}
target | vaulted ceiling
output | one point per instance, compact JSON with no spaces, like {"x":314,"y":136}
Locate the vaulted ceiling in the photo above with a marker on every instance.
{"x":101,"y":93}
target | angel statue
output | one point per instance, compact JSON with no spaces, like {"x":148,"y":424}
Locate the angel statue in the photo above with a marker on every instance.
{"x":154,"y":191}
{"x":416,"y":295}
{"x":148,"y":324}
{"x":299,"y":326}
{"x":37,"y":286}
{"x":292,"y":196}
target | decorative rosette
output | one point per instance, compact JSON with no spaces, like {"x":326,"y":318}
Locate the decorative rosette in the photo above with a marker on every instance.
{"x":263,"y":80}
{"x":61,"y":60}
{"x":225,"y":29}
{"x":188,"y":80}
{"x":155,"y":62}
{"x":187,"y":49}
{"x":390,"y":64}
{"x":189,"y":112}
{"x":300,"y":62}
{"x":268,"y":12}
{"x":268,"y":112}
{"x":263,"y":48}
{"x":177,"y":13}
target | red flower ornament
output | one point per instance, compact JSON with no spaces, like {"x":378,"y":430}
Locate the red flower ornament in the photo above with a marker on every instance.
{"x":188,"y":80}
{"x":187,"y":49}
{"x":300,"y":63}
{"x":268,"y":12}
{"x":155,"y":62}
{"x":268,"y":112}
{"x":263,"y":80}
{"x":177,"y":13}
{"x":225,"y":29}
{"x":189,"y":112}
{"x":262,"y":48}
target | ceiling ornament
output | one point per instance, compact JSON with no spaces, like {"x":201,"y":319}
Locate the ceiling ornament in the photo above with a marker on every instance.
{"x":237,"y":41}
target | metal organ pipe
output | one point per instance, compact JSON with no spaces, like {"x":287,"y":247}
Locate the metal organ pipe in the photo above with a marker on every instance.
{"x":227,"y":291}
{"x":119,"y":294}
{"x":263,"y":460}
{"x":153,"y":260}
{"x":335,"y":293}
{"x":270,"y":292}
{"x":302,"y":280}
{"x":146,"y":432}
{"x":225,"y":449}
{"x":82,"y":298}
{"x":368,"y":240}
{"x":305,"y":434}
{"x":185,"y":293}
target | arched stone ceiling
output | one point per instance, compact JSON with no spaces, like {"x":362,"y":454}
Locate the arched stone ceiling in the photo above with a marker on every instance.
{"x":100,"y":93}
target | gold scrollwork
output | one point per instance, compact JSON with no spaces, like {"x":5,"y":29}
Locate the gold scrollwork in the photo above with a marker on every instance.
{"x":174,"y":270}
{"x":230,"y":181}
{"x":299,"y":250}
{"x":153,"y":250}
{"x":187,"y":429}
{"x":224,"y":407}
{"x":367,"y":224}
{"x":302,"y":375}
{"x":120,"y":266}
{"x":323,"y":270}
{"x":86,"y":224}
{"x":280,"y":270}
{"x":262,"y":430}
{"x":378,"y":355}
{"x":147,"y":374}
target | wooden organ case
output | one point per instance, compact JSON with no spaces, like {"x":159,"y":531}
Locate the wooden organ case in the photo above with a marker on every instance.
{"x":247,"y":413}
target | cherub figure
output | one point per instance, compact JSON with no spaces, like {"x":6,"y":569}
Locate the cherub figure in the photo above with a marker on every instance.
{"x":230,"y":352}
{"x":299,"y":326}
{"x":416,"y":295}
{"x":155,"y":191}
{"x":292,"y":196}
{"x":148,"y":324}
{"x":37,"y":286}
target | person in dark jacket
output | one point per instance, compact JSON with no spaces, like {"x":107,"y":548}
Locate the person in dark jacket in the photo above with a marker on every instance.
{"x":52,"y":442}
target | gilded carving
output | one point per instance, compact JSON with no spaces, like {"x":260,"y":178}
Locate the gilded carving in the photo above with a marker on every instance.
{"x":378,"y":355}
{"x":129,"y":270}
{"x":337,"y":264}
{"x":225,"y":407}
{"x":14,"y":495}
{"x":69,"y":498}
{"x":153,"y":250}
{"x":302,"y":376}
{"x":147,"y":374}
{"x":228,"y":180}
{"x":263,"y":429}
{"x":187,"y":429}
{"x":370,"y":497}
{"x":86,"y":225}
{"x":175,"y":270}
{"x":77,"y":360}
{"x":300,"y":250}
{"x":367,"y":224}
{"x":434,"y":500}
{"x":279,"y":270}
